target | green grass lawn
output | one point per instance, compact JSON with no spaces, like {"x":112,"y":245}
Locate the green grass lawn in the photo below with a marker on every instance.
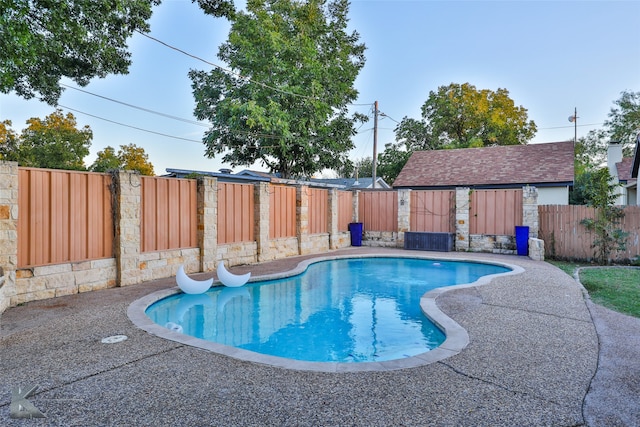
{"x":617,"y":288}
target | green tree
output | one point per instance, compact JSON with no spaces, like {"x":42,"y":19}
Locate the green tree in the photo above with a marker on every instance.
{"x":623,"y":123}
{"x":286,"y":102}
{"x":54,"y":143}
{"x":8,"y":141}
{"x":460,"y":116}
{"x":129,"y":157}
{"x":106,"y":160}
{"x":363,"y":166}
{"x":134,"y":158}
{"x":601,"y":194}
{"x":391,"y":161}
{"x":43,"y":41}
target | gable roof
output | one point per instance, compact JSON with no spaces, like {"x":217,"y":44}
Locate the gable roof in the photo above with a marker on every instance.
{"x":490,"y":167}
{"x":624,"y":169}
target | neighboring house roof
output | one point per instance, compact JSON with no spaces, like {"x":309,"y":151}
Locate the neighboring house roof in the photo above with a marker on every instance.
{"x":250,"y":172}
{"x":624,"y":169}
{"x":490,"y":167}
{"x":352,"y":183}
{"x":221,"y":176}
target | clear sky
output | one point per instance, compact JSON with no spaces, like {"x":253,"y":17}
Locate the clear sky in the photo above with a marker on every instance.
{"x":552,"y":57}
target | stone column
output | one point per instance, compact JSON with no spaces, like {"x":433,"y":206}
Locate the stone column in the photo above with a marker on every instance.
{"x":332,"y":218}
{"x":207,"y":222}
{"x":302,"y":219}
{"x":261,"y":215}
{"x":463,"y":198}
{"x":404,"y":214}
{"x":128,"y":243}
{"x":356,"y":205}
{"x":530,"y":210}
{"x":8,"y":232}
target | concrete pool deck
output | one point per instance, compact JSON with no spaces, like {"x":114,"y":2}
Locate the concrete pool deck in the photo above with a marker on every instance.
{"x":539,"y":353}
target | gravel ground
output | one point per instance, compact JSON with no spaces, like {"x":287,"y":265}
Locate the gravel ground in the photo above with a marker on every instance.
{"x":539,"y":354}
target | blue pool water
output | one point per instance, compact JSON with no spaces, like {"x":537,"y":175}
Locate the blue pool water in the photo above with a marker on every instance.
{"x":345,"y":310}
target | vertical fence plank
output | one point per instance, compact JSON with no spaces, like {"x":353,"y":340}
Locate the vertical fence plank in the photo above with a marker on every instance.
{"x":235,"y":213}
{"x":65,"y":216}
{"x":169,"y":213}
{"x":345,"y":209}
{"x":432,"y":211}
{"x":318,"y":201}
{"x":566,"y":238}
{"x":378,"y":210}
{"x":495,"y":212}
{"x":282,"y":211}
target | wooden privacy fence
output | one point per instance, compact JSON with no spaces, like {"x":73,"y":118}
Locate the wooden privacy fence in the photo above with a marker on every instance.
{"x":318,"y":210}
{"x":378,"y":210}
{"x":64,"y":216}
{"x":235,"y":213}
{"x":345,"y":210}
{"x":495,"y":211}
{"x":433,"y":211}
{"x":282,"y":211}
{"x":169,"y":213}
{"x":566,"y":238}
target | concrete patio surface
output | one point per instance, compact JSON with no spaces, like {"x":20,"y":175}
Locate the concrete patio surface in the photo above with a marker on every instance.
{"x":540,"y":354}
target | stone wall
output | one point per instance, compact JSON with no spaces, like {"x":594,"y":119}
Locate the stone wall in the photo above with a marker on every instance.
{"x":130,"y":266}
{"x":237,"y":253}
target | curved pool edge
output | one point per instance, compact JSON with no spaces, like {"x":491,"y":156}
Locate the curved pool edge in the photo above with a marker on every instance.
{"x":456,"y":339}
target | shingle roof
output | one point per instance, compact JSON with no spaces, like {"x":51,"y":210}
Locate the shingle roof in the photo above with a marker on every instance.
{"x":489,"y":166}
{"x":624,"y":169}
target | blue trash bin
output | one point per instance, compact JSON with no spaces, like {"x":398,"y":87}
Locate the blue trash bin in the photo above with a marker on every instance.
{"x":356,"y":233}
{"x":522,"y":240}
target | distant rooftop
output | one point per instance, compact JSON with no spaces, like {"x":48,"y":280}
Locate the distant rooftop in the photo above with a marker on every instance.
{"x":500,"y":166}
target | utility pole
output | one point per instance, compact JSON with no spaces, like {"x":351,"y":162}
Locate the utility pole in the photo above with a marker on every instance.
{"x":574,"y":120}
{"x":375,"y":141}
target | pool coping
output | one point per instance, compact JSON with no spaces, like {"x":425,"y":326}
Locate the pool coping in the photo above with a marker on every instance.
{"x":456,"y":339}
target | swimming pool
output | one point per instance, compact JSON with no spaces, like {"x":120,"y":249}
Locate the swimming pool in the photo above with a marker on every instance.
{"x":346,"y":310}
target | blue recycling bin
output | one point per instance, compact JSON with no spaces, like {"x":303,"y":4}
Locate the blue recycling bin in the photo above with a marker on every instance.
{"x":355,"y":228}
{"x":522,"y":240}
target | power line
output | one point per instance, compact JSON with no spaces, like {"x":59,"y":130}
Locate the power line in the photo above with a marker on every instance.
{"x":138,"y":108}
{"x":231,"y":72}
{"x":130,"y":126}
{"x":571,"y":126}
{"x":226,"y":70}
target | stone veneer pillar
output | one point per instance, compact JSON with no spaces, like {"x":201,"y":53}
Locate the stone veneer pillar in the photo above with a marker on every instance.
{"x":128,"y":210}
{"x":261,"y":215}
{"x":356,"y":205}
{"x":207,"y":222}
{"x":332,"y":218}
{"x":462,"y":219}
{"x":530,"y":210}
{"x":302,"y":219}
{"x":8,"y":232}
{"x":404,"y":214}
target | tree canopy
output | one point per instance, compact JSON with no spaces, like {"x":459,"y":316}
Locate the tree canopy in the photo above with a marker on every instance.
{"x":623,"y":126}
{"x":129,"y":157}
{"x":285,"y":103}
{"x":43,"y":41}
{"x":54,"y":143}
{"x":460,"y":116}
{"x":623,"y":122}
{"x":457,"y":116}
